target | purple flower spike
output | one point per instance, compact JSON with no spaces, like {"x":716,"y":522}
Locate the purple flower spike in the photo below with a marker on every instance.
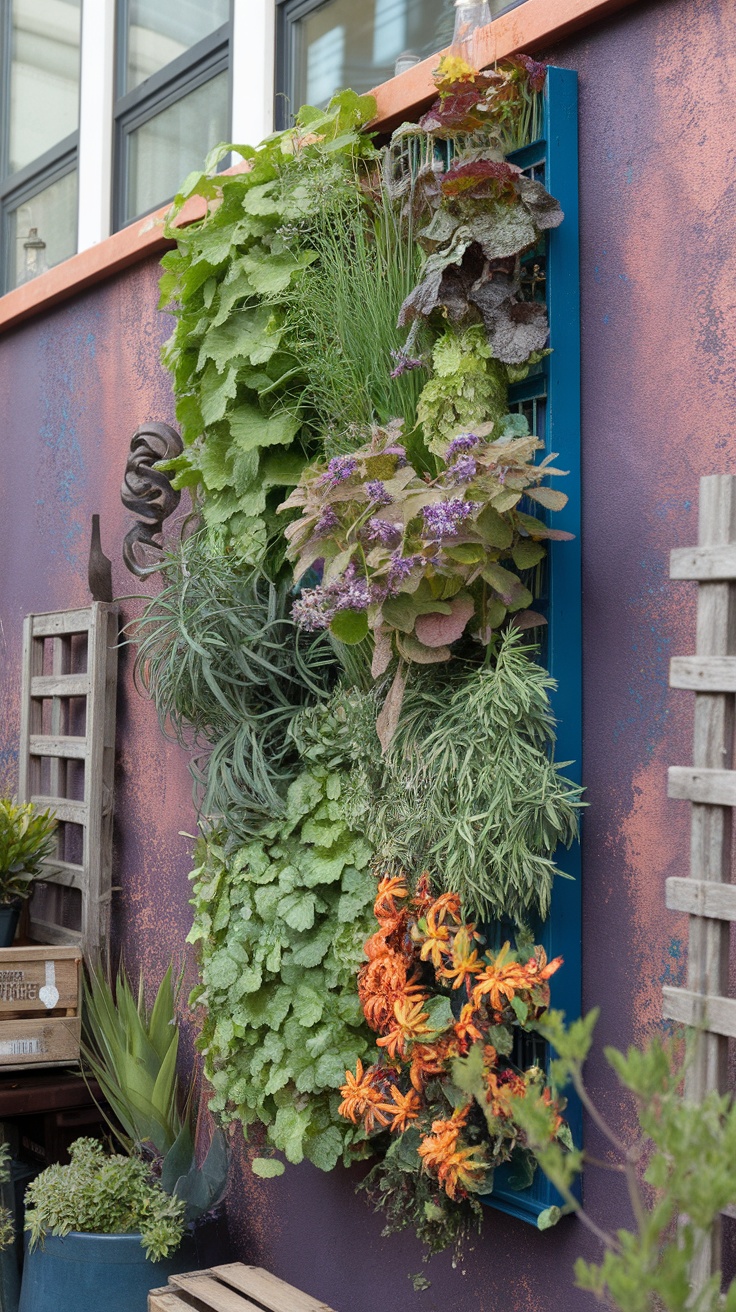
{"x":444,"y":518}
{"x":379,"y":530}
{"x":312,"y":610}
{"x":465,"y":442}
{"x":463,"y":470}
{"x":377,"y":493}
{"x":399,"y":570}
{"x":339,"y":470}
{"x":326,"y":522}
{"x":404,"y":363}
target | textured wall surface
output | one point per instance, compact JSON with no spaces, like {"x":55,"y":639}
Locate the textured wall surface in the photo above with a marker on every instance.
{"x":658,"y":147}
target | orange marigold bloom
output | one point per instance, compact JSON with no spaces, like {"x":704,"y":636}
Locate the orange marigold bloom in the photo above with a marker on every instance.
{"x":503,"y":1090}
{"x":438,"y":937}
{"x":430,"y":1059}
{"x":388,"y":889}
{"x":538,"y":968}
{"x":446,"y":905}
{"x":500,"y":980}
{"x":361,"y":1098}
{"x":404,"y":1108}
{"x":463,"y":1171}
{"x":465,"y":962}
{"x":383,"y":983}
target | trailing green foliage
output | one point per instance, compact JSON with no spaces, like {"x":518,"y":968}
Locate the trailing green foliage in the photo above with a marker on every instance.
{"x":468,"y":388}
{"x":7,"y":1221}
{"x":101,"y":1194}
{"x":237,"y":376}
{"x":280,"y":925}
{"x":228,"y":669}
{"x":684,"y":1151}
{"x":26,"y":839}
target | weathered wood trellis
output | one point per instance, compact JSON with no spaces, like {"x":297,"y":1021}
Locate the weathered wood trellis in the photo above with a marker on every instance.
{"x":707,"y":895}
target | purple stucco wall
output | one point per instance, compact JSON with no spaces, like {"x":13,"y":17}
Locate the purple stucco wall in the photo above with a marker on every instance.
{"x":658,"y":195}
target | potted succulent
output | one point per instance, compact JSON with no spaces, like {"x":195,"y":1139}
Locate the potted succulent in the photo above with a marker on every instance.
{"x":100,"y":1227}
{"x":26,"y":839}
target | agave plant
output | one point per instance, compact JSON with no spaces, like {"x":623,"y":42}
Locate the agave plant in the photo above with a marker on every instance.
{"x":26,"y":839}
{"x":132,"y":1053}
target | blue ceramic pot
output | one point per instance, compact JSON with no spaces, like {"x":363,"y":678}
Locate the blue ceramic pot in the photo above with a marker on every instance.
{"x":84,"y":1273}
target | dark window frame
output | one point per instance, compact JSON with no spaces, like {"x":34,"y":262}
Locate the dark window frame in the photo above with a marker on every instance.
{"x":25,"y":183}
{"x":288,"y":14}
{"x":189,"y":71}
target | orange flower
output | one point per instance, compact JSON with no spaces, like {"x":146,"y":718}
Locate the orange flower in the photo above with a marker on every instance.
{"x":458,"y":1169}
{"x":501,"y":980}
{"x":466,"y":1029}
{"x":423,"y":897}
{"x":465,"y":962}
{"x":383,"y":983}
{"x":403,"y":1108}
{"x":538,"y":968}
{"x":409,"y":1026}
{"x":438,"y":939}
{"x":503,"y":1090}
{"x":361,"y":1098}
{"x":447,"y":905}
{"x":388,"y":889}
{"x":430,"y":1059}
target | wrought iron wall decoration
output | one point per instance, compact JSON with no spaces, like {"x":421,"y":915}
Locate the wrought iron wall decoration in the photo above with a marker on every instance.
{"x":148,"y":493}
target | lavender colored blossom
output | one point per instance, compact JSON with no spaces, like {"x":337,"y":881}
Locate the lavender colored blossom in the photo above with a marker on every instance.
{"x":443,"y":519}
{"x":312,"y":610}
{"x":377,"y":492}
{"x":399,"y":570}
{"x":380,"y":530}
{"x":463,"y":470}
{"x":404,"y":363}
{"x":396,"y":449}
{"x":338,"y":470}
{"x":465,"y":442}
{"x":326,"y":522}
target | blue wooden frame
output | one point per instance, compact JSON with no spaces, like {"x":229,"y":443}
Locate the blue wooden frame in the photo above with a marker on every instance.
{"x":557,"y":386}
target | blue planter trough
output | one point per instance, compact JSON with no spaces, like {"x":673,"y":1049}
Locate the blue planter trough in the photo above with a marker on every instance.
{"x":84,"y":1273}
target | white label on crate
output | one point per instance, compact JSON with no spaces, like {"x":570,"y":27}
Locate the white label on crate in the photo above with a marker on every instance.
{"x":49,"y":994}
{"x":21,"y":1047}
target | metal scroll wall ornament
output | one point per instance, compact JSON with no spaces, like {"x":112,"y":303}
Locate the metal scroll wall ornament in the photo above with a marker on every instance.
{"x":147,"y":493}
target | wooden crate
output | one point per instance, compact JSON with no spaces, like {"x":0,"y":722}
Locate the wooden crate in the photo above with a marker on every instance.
{"x":232,"y":1288}
{"x":40,"y":1022}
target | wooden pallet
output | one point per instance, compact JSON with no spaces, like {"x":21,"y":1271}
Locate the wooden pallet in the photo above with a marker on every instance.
{"x":66,"y":763}
{"x":232,"y":1288}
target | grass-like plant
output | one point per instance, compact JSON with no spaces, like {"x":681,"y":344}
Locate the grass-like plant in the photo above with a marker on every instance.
{"x":227,"y":669}
{"x":342,"y":316}
{"x":26,"y":839}
{"x":101,"y":1194}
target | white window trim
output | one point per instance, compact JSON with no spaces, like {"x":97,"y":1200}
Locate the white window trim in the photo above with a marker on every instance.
{"x":253,"y":57}
{"x":97,"y":90}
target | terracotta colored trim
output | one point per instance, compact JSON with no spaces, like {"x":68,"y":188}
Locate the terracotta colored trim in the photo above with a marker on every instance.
{"x":534,"y":24}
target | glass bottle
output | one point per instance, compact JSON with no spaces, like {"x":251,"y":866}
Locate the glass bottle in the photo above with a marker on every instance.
{"x":470,"y":15}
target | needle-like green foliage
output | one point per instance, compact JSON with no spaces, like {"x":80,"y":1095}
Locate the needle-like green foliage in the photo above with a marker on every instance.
{"x":227,"y":669}
{"x":472,"y":791}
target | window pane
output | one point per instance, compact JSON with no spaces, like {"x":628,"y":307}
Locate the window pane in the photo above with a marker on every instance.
{"x":165,"y":149}
{"x":44,"y":76}
{"x":346,"y":44}
{"x":43,"y":230}
{"x":161,"y":30}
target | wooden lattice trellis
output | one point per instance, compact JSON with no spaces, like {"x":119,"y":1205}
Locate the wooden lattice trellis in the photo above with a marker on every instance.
{"x":67,"y":750}
{"x":707,"y":895}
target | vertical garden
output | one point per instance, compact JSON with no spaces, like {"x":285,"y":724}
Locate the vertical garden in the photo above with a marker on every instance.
{"x":346,"y":640}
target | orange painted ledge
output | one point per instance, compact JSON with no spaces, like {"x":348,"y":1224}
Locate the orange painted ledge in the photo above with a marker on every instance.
{"x":534,"y":24}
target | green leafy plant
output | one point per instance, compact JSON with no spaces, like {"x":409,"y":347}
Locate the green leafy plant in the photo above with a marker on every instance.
{"x":237,"y":374}
{"x":26,"y":839}
{"x":280,"y":925}
{"x":228,"y":669}
{"x":679,"y":1166}
{"x":101,"y":1194}
{"x":132,"y":1053}
{"x":7,"y":1220}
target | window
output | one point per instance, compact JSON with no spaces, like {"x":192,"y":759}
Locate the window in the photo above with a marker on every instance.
{"x":325,"y":45}
{"x":39,"y":135}
{"x":173,"y":96}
